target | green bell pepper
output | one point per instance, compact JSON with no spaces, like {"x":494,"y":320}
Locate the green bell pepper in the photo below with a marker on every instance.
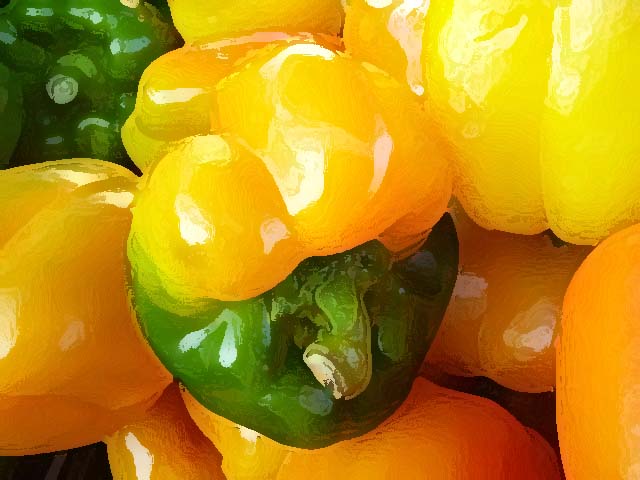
{"x":10,"y":113}
{"x":162,"y":5}
{"x":326,"y":355}
{"x":79,"y":63}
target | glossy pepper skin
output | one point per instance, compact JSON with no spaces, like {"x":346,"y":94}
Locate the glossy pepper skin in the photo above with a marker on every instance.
{"x":299,"y":172}
{"x":536,"y":99}
{"x":436,"y":433}
{"x":598,"y":407}
{"x":294,"y":172}
{"x":327,"y":354}
{"x":10,"y":113}
{"x":504,"y":316}
{"x":78,"y":63}
{"x":164,"y":445}
{"x":177,"y":95}
{"x":204,"y":19}
{"x":73,"y":364}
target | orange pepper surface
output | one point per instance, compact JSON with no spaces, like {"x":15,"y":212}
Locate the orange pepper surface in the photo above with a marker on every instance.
{"x":598,"y":375}
{"x":164,"y":445}
{"x":73,"y":365}
{"x":504,"y":315}
{"x":538,"y":101}
{"x":197,"y":19}
{"x":437,"y":433}
{"x":319,"y":153}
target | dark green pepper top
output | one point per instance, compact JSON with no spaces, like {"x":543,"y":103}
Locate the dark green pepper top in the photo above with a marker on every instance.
{"x":79,"y":63}
{"x":10,"y":113}
{"x":326,"y":355}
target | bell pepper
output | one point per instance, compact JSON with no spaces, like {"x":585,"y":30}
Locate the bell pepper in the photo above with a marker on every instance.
{"x":537,"y":100}
{"x":78,"y":63}
{"x":177,"y":92}
{"x":504,"y":314}
{"x":598,"y":407}
{"x":10,"y":113}
{"x":204,"y":19}
{"x":73,"y":363}
{"x":436,"y":433}
{"x":223,"y":221}
{"x":163,"y":6}
{"x":327,"y":354}
{"x":163,"y":445}
{"x":228,"y":87}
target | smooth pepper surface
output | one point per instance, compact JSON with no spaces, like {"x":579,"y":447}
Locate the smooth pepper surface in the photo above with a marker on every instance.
{"x":598,"y":406}
{"x":165,"y":444}
{"x":504,"y":316}
{"x":204,"y":19}
{"x":78,"y":63}
{"x":537,"y":100}
{"x":436,"y":433}
{"x":73,"y":363}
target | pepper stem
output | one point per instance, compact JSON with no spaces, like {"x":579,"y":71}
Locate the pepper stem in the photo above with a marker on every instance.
{"x":341,"y":355}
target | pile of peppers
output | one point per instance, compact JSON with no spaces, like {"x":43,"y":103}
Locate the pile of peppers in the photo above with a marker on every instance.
{"x":318,"y":239}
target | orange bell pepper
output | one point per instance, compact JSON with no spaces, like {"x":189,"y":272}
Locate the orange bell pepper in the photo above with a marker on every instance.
{"x":504,"y":314}
{"x":598,"y":400}
{"x":437,"y":433}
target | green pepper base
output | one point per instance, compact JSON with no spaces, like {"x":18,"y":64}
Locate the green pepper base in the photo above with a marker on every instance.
{"x":246,"y":360}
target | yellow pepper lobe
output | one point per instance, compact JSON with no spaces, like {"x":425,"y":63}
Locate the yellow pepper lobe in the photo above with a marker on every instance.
{"x":480,"y":68}
{"x":213,"y":221}
{"x":297,"y":168}
{"x":197,"y":19}
{"x":69,"y":347}
{"x":535,"y":99}
{"x":176,"y":95}
{"x":24,"y":191}
{"x":163,"y":445}
{"x":591,"y":148}
{"x":246,"y":454}
{"x":173,"y":102}
{"x":343,"y":142}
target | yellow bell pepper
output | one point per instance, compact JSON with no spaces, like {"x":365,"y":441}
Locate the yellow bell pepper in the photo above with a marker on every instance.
{"x":537,"y":100}
{"x":177,"y":92}
{"x":437,"y":433}
{"x":321,"y":153}
{"x":197,"y":19}
{"x":164,"y":445}
{"x":73,"y":364}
